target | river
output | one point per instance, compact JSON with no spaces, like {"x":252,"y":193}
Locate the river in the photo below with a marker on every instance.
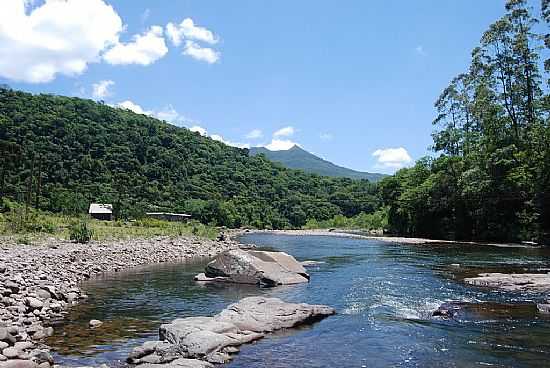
{"x":384,"y":295}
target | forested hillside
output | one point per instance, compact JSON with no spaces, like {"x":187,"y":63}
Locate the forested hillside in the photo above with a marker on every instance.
{"x":298,"y":158}
{"x":491,"y":180}
{"x":60,"y":154}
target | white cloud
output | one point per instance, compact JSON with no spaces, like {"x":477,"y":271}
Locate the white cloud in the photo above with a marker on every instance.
{"x":144,"y":49}
{"x":200,"y":53}
{"x":280,"y":145}
{"x":254,"y":134}
{"x":392,"y":158}
{"x":169,"y":114}
{"x":285,"y":132}
{"x":129,"y":105}
{"x":326,"y":137}
{"x":188,"y":30}
{"x":219,"y":138}
{"x":58,"y":37}
{"x":101,"y":89}
{"x":200,"y":130}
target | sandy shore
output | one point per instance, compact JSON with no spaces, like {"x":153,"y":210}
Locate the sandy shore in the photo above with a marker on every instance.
{"x":389,"y":239}
{"x":39,"y":282}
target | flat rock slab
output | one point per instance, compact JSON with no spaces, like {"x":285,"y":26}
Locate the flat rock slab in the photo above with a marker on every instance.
{"x":534,"y":282}
{"x":216,"y":339}
{"x":255,"y":267}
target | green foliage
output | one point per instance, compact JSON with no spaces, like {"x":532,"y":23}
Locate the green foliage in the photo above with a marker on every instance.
{"x":80,"y":231}
{"x":377,"y":221}
{"x":65,"y":153}
{"x":492,"y":178}
{"x":17,"y":219}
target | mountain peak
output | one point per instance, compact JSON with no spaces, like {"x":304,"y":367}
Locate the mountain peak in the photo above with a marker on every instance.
{"x":298,"y":158}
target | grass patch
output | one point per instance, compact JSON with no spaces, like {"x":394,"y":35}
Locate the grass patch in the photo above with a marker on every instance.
{"x":26,"y":225}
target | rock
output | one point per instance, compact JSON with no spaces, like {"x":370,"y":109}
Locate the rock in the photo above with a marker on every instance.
{"x":41,"y":356}
{"x":512,"y":281}
{"x":94,"y":323}
{"x":215,"y":339}
{"x":6,"y":336}
{"x":255,"y":267}
{"x":23,"y":345}
{"x":14,"y":287}
{"x":543,"y":308}
{"x":445,"y":311}
{"x":18,"y":364}
{"x":34,"y":303}
{"x":43,"y":294}
{"x":181,"y":363}
{"x":3,"y":345}
{"x":260,"y":314}
{"x":11,"y":353}
{"x":3,"y":268}
{"x":147,"y":348}
{"x":3,"y":358}
{"x":71,"y":297}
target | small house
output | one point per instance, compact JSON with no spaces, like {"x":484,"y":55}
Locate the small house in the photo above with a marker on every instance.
{"x":102,"y":212}
{"x":176,"y":217}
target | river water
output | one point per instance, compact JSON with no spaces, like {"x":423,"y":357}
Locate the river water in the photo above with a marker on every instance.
{"x":384,"y":295}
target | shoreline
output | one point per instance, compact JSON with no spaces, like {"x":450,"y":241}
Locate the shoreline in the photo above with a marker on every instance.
{"x":39,"y":283}
{"x":356,"y":234}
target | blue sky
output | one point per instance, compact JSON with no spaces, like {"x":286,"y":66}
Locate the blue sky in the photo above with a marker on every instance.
{"x":346,"y":80}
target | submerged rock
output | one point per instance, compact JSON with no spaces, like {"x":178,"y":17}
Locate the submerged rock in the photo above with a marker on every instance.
{"x":255,"y":267}
{"x":535,"y":282}
{"x":216,"y":339}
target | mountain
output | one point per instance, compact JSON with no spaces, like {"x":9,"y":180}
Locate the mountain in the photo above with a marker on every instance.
{"x":298,"y":158}
{"x":60,"y":154}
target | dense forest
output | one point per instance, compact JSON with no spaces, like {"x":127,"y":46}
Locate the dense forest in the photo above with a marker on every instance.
{"x":60,"y":153}
{"x":491,"y":179}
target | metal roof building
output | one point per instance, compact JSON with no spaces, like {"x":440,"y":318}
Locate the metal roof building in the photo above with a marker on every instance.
{"x":101,"y":211}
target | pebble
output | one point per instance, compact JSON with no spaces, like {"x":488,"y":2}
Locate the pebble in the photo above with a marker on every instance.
{"x":95,"y":323}
{"x":11,"y":353}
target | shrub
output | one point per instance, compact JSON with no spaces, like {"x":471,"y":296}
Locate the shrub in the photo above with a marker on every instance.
{"x":81,"y":232}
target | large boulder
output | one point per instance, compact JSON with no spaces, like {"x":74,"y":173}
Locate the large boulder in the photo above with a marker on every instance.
{"x":216,"y":339}
{"x":255,"y":267}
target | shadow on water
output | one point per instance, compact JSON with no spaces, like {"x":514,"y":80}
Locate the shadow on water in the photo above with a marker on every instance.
{"x":385,"y":295}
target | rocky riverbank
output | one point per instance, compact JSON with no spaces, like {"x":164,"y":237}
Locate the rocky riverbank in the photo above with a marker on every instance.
{"x":39,"y":282}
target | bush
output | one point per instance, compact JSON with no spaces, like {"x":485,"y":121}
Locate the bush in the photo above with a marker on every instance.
{"x":81,"y":232}
{"x":21,"y":220}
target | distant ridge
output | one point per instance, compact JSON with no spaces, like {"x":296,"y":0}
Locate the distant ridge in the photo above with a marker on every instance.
{"x":298,"y":158}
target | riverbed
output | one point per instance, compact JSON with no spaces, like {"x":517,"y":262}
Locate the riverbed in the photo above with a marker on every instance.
{"x":384,"y":294}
